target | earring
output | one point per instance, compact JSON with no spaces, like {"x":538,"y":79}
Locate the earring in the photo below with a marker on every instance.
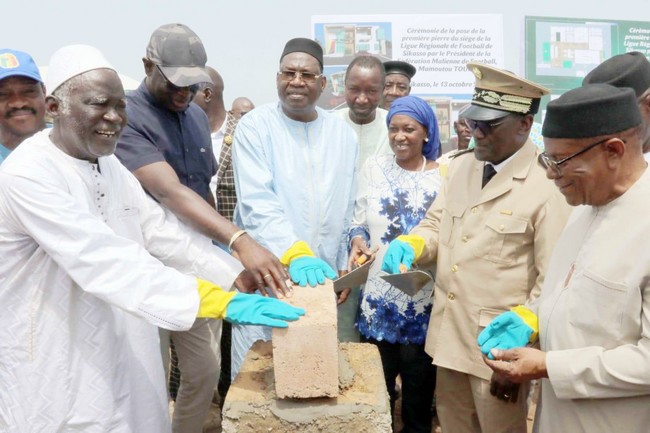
{"x":426,"y":140}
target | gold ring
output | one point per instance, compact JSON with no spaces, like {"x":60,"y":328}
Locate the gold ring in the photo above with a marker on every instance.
{"x":267,"y":276}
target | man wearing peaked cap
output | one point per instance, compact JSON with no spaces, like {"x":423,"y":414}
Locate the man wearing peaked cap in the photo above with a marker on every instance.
{"x":498,"y":93}
{"x":490,"y":233}
{"x":628,"y":70}
{"x":398,"y":81}
{"x":594,"y":331}
{"x":91,"y":266}
{"x":167,"y":146}
{"x":22,"y":100}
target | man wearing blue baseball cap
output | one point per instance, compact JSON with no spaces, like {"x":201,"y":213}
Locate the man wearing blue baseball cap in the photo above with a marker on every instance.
{"x":22,"y":100}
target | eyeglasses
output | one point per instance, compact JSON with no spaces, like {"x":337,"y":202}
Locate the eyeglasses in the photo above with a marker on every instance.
{"x":483,"y":126}
{"x":171,"y":87}
{"x":306,"y":77}
{"x":546,"y":162}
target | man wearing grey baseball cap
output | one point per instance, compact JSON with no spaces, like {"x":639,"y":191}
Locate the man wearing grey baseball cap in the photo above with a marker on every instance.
{"x":167,"y":146}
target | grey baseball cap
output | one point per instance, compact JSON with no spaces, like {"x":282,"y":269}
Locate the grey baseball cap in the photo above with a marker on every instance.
{"x":179,"y":53}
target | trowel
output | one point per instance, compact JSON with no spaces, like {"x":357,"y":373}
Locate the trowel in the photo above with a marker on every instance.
{"x":353,"y":278}
{"x":408,"y":282}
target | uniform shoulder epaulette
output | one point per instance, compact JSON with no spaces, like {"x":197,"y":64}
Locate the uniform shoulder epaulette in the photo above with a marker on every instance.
{"x":461,"y":152}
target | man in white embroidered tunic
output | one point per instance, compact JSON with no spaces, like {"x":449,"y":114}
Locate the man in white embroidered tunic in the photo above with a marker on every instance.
{"x":86,"y":275}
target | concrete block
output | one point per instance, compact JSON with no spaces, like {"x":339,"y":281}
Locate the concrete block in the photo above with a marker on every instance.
{"x":362,"y":404}
{"x":305,"y":355}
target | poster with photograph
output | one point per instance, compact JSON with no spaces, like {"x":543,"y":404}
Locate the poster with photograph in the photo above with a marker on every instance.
{"x":439,"y":46}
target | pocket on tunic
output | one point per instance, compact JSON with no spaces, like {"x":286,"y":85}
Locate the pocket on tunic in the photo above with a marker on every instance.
{"x":505,"y":238}
{"x":125,"y":222}
{"x":597,"y":305}
{"x":450,"y":212}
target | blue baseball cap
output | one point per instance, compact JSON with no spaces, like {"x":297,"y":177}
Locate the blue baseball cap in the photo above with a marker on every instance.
{"x":18,"y":63}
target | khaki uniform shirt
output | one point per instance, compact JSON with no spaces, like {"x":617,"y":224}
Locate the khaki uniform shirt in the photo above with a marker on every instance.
{"x":491,"y":248}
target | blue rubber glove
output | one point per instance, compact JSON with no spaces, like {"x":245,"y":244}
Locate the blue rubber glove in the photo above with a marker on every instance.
{"x":310,"y":270}
{"x":507,"y":331}
{"x":398,"y":252}
{"x":246,"y":309}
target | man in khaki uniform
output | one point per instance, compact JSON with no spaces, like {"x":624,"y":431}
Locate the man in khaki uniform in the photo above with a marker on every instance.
{"x":490,"y":244}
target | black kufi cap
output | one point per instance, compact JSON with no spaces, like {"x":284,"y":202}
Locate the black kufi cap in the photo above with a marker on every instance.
{"x":304,"y":45}
{"x":591,"y":111}
{"x":399,"y":67}
{"x":625,"y":70}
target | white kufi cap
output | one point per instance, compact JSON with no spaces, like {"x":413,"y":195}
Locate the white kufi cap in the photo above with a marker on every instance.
{"x":73,"y":60}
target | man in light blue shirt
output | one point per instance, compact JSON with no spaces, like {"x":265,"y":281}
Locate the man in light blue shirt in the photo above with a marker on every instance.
{"x":294,"y":167}
{"x":22,"y":100}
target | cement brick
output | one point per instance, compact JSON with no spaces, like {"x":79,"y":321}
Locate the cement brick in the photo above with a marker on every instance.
{"x":305,"y":355}
{"x":362,"y":405}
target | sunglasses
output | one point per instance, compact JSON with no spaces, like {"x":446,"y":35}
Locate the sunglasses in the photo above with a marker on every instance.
{"x":483,"y":126}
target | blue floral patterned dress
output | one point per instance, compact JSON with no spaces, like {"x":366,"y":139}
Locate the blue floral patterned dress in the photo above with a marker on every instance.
{"x":390,"y":202}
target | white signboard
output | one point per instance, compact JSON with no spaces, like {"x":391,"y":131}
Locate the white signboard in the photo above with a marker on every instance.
{"x":439,"y":46}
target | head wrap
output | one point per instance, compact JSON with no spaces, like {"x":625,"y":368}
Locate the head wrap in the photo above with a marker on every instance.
{"x":417,"y":109}
{"x":73,"y":60}
{"x":304,"y":45}
{"x":591,"y":111}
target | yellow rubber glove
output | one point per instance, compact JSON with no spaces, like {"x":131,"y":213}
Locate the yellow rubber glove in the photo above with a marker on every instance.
{"x":417,"y":242}
{"x":401,"y":253}
{"x":529,"y":319}
{"x":304,"y":267}
{"x":214,"y":300}
{"x":299,"y":249}
{"x":515,"y":328}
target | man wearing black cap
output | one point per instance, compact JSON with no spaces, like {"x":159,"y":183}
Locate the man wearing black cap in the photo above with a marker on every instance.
{"x":398,"y":81}
{"x":594,"y":311}
{"x":490,"y":233}
{"x":294,"y":167}
{"x":628,"y":70}
{"x":22,"y":100}
{"x":167,"y":146}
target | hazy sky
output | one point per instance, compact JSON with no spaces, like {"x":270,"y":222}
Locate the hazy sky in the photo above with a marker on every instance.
{"x":244,"y":38}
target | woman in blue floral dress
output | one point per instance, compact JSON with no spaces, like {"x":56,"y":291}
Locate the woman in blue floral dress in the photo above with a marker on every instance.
{"x":394,"y":194}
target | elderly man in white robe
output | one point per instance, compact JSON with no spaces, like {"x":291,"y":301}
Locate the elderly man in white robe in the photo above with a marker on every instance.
{"x":91,"y":265}
{"x":594,"y":310}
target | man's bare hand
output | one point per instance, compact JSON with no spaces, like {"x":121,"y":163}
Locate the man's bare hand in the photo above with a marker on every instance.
{"x":342,"y":296}
{"x":503,"y":389}
{"x":265,"y":269}
{"x":518,"y":365}
{"x":246,"y":283}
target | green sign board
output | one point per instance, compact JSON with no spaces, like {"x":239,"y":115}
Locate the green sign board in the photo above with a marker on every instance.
{"x":561,"y":51}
